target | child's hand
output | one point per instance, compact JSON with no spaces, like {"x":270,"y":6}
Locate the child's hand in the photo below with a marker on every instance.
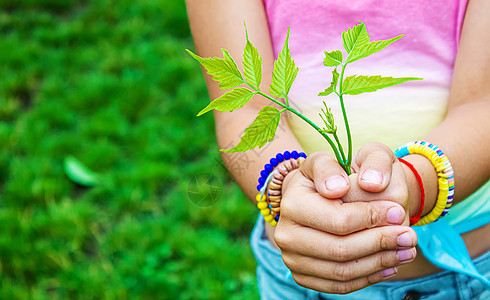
{"x":338,"y":247}
{"x":378,"y":175}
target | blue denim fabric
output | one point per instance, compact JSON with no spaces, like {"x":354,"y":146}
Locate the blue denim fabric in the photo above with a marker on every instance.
{"x":274,"y":282}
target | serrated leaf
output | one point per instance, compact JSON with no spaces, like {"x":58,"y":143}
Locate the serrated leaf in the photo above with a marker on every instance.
{"x":333,"y":59}
{"x":230,"y":101}
{"x":261,"y":131}
{"x":224,"y":70}
{"x":79,"y":173}
{"x":355,"y":37}
{"x":284,"y":73}
{"x":370,"y":48}
{"x":333,"y":84}
{"x":326,"y":92}
{"x":252,"y":64}
{"x":355,"y":85}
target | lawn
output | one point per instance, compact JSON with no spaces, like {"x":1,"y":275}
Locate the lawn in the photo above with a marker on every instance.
{"x":109,"y":83}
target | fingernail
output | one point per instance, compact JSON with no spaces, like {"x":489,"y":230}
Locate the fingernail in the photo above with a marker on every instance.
{"x":395,"y":215}
{"x":335,"y":182}
{"x":372,"y":176}
{"x":405,"y":240}
{"x":405,"y":255}
{"x":389,"y":272}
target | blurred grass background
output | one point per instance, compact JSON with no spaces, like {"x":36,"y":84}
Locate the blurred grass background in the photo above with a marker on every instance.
{"x":109,"y":82}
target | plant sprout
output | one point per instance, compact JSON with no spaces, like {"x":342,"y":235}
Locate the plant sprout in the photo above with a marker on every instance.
{"x":357,"y":45}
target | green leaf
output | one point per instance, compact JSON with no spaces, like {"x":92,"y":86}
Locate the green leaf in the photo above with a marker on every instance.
{"x":326,"y":92}
{"x":284,"y":73}
{"x":355,"y":38}
{"x":332,"y":59}
{"x":370,"y":48}
{"x":224,"y":70}
{"x":252,"y":64}
{"x":333,"y":84}
{"x":79,"y":173}
{"x":335,"y":78}
{"x":355,"y":85}
{"x":261,"y":131}
{"x":230,"y":101}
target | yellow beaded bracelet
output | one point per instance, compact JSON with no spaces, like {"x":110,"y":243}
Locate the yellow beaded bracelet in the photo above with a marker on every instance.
{"x":269,"y":198}
{"x":263,"y":205}
{"x":444,"y":172}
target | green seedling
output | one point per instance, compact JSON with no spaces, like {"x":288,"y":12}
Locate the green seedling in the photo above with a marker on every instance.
{"x":357,"y":45}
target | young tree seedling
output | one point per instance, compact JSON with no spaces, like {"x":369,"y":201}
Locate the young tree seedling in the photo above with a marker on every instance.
{"x":357,"y":45}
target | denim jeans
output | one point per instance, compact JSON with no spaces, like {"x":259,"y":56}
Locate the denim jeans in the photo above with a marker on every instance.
{"x":274,"y":282}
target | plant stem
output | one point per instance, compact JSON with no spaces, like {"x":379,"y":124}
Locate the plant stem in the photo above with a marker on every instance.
{"x":257,"y":91}
{"x":341,"y":150}
{"x":349,"y":139}
{"x":329,"y":140}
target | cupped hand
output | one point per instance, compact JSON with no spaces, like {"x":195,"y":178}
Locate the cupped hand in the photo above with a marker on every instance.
{"x":336,"y":247}
{"x":378,"y":175}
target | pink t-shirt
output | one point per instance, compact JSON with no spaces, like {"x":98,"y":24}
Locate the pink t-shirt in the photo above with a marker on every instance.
{"x":394,"y":115}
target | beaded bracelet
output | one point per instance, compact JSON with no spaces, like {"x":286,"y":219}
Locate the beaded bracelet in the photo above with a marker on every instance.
{"x":445,"y":175}
{"x":272,"y":179}
{"x":416,"y":218}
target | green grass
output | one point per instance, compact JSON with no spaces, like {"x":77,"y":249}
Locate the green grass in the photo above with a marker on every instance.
{"x":109,"y":82}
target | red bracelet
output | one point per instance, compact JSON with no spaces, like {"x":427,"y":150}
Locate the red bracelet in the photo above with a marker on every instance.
{"x":416,"y":218}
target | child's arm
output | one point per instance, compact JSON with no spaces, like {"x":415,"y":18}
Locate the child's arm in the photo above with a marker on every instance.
{"x":217,"y":24}
{"x":464,"y":136}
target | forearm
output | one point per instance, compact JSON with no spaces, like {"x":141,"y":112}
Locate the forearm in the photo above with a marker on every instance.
{"x":245,"y":167}
{"x":217,"y":24}
{"x":462,"y":136}
{"x":465,"y":133}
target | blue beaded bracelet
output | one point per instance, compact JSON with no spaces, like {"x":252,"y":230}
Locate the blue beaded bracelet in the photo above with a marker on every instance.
{"x":273,"y":162}
{"x":269,"y":204}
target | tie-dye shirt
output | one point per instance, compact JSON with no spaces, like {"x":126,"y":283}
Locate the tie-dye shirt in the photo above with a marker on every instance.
{"x":394,"y":115}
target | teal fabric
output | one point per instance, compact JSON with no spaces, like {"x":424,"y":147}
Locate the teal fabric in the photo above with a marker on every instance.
{"x":444,"y":248}
{"x":471,"y":213}
{"x":441,"y":242}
